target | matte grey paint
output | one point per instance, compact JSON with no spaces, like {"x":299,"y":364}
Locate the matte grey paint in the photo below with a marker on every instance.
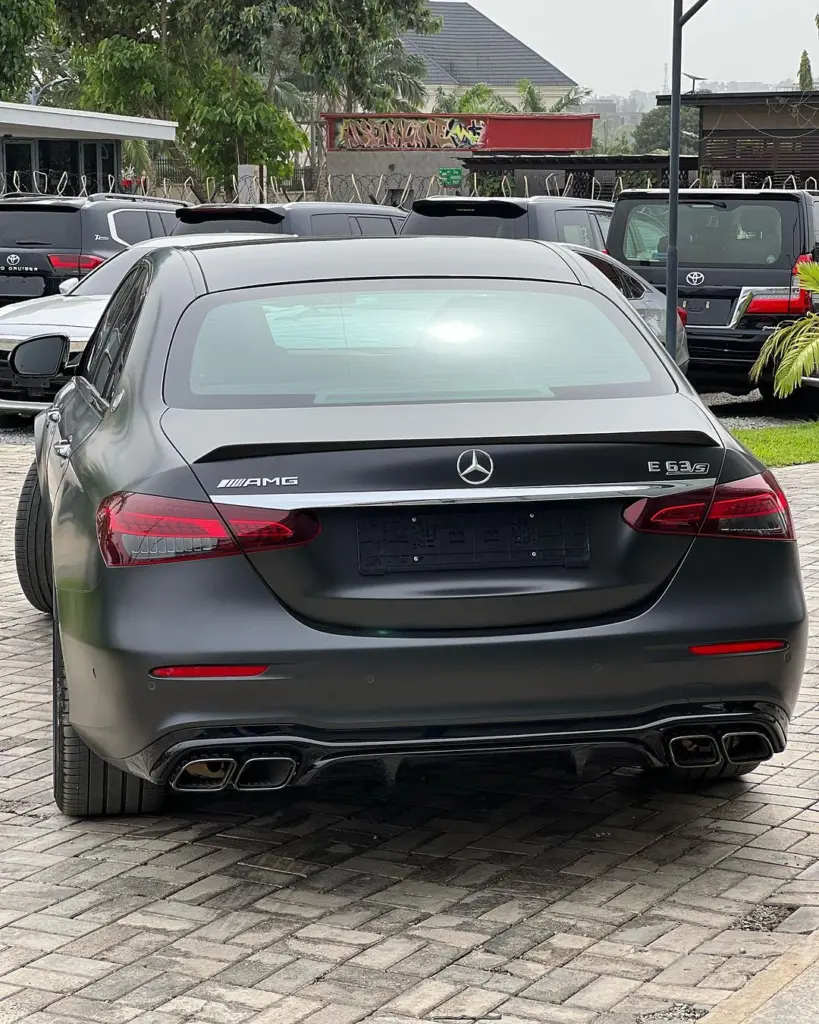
{"x":592,"y":677}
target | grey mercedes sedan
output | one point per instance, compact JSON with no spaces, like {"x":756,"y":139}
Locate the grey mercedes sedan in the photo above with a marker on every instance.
{"x":368,"y":500}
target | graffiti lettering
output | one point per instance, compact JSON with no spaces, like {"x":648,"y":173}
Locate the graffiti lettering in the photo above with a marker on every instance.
{"x":409,"y":133}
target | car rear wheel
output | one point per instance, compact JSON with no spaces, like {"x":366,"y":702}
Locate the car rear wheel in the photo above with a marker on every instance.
{"x":32,"y":544}
{"x":84,"y":784}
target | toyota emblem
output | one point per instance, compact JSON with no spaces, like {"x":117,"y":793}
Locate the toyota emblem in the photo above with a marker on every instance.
{"x":695,"y":278}
{"x":475,"y":466}
{"x":13,"y":260}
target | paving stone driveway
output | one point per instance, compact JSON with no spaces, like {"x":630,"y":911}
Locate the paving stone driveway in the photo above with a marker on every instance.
{"x":515,"y":895}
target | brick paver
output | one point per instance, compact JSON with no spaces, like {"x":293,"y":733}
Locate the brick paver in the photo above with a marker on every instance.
{"x":511,"y":893}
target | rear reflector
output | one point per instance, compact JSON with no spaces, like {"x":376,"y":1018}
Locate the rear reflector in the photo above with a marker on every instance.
{"x":142,"y":529}
{"x":75,"y":263}
{"x":683,"y":315}
{"x":209,"y":671}
{"x":750,"y":508}
{"x":741,"y":647}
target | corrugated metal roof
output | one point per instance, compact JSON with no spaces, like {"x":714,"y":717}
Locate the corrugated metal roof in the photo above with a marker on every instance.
{"x":471,"y":48}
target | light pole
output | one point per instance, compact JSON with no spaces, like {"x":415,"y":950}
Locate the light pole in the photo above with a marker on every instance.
{"x":35,"y":92}
{"x":681,"y":19}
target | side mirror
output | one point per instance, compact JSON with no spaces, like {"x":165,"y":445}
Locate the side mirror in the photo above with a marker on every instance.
{"x":68,"y":285}
{"x":43,"y":357}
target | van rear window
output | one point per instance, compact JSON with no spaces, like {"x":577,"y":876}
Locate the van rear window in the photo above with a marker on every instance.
{"x":713,"y":232}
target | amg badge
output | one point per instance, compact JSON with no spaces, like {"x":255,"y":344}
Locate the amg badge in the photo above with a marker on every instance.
{"x":260,"y":481}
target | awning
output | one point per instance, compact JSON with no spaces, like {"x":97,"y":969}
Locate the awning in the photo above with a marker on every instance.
{"x":23,"y":121}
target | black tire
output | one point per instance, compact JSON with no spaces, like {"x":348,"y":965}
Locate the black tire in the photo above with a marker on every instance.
{"x":84,"y":784}
{"x":32,"y":544}
{"x":702,"y":776}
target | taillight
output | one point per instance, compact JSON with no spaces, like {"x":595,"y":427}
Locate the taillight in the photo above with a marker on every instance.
{"x":682,"y":313}
{"x":74,"y":263}
{"x":791,"y":301}
{"x":750,"y":508}
{"x":142,"y":529}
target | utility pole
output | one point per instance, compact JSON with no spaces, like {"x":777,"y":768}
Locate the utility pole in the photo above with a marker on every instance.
{"x":672,"y":285}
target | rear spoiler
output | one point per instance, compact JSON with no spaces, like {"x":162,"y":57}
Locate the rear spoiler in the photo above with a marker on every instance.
{"x":219,"y":211}
{"x":505,"y":209}
{"x":224,"y":453}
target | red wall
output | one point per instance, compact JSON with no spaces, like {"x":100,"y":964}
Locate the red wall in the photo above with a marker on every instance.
{"x":508,"y":133}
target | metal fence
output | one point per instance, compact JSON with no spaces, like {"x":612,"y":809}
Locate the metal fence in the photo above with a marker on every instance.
{"x":387,"y":189}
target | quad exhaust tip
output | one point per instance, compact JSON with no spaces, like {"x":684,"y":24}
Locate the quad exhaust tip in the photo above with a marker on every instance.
{"x":745,"y":747}
{"x":211,"y":775}
{"x":696,"y":751}
{"x":265,"y":773}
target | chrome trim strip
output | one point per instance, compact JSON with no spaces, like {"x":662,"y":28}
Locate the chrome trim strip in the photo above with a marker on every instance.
{"x":290,"y":500}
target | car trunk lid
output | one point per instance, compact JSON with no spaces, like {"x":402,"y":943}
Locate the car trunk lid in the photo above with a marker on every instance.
{"x":486,"y":530}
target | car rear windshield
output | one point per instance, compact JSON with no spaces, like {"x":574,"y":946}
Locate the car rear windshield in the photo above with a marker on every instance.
{"x":719,"y":232}
{"x":407,"y":341}
{"x":220,"y":225}
{"x":33,"y":227}
{"x":460,"y":221}
{"x":107,"y":276}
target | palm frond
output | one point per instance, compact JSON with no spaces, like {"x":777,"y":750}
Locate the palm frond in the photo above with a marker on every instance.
{"x":809,"y":276}
{"x":573,"y":98}
{"x":793,"y":348}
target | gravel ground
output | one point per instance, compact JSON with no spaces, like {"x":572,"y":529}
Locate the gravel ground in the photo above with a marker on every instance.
{"x":739,"y":412}
{"x":15,"y":430}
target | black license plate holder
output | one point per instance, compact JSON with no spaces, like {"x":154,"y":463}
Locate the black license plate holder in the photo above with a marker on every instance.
{"x":515,"y":537}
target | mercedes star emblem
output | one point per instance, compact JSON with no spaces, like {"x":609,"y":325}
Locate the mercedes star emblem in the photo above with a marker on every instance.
{"x":475,"y":466}
{"x":13,"y":260}
{"x":695,"y":278}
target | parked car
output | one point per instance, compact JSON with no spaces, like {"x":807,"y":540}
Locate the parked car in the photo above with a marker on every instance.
{"x":46,"y":239}
{"x":739,"y":251}
{"x":647,"y":300}
{"x":549,"y":218}
{"x":75,"y":312}
{"x":439,"y":496}
{"x":327,"y":220}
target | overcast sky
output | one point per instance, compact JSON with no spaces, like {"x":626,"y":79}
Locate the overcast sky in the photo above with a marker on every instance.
{"x":614,"y":46}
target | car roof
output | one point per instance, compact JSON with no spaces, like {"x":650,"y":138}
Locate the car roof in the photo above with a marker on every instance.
{"x":197,"y":241}
{"x":309,"y":205}
{"x":40,"y":199}
{"x":521,"y":201}
{"x":733,"y":193}
{"x":329,"y":259}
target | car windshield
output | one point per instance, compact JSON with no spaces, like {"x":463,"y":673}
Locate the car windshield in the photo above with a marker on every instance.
{"x":713,"y":232}
{"x":35,"y":226}
{"x":104,"y":280}
{"x":217,"y":224}
{"x":407,"y":341}
{"x":465,"y":225}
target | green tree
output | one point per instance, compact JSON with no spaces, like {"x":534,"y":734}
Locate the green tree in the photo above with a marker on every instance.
{"x":483,"y":99}
{"x":22,"y":23}
{"x":793,"y":347}
{"x":653,"y":132}
{"x":159,"y":58}
{"x":805,"y":73}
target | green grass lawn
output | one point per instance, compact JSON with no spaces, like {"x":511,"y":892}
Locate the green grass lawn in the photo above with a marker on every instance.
{"x":782,"y":446}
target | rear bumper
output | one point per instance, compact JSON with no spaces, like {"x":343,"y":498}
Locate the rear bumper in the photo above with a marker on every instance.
{"x":646,"y":739}
{"x":629,"y":681}
{"x":21,"y":407}
{"x":724,"y":356}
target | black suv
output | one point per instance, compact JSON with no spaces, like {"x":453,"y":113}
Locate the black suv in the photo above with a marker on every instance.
{"x":325,"y":220}
{"x":548,"y":218}
{"x":739,"y":251}
{"x":44,"y":240}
